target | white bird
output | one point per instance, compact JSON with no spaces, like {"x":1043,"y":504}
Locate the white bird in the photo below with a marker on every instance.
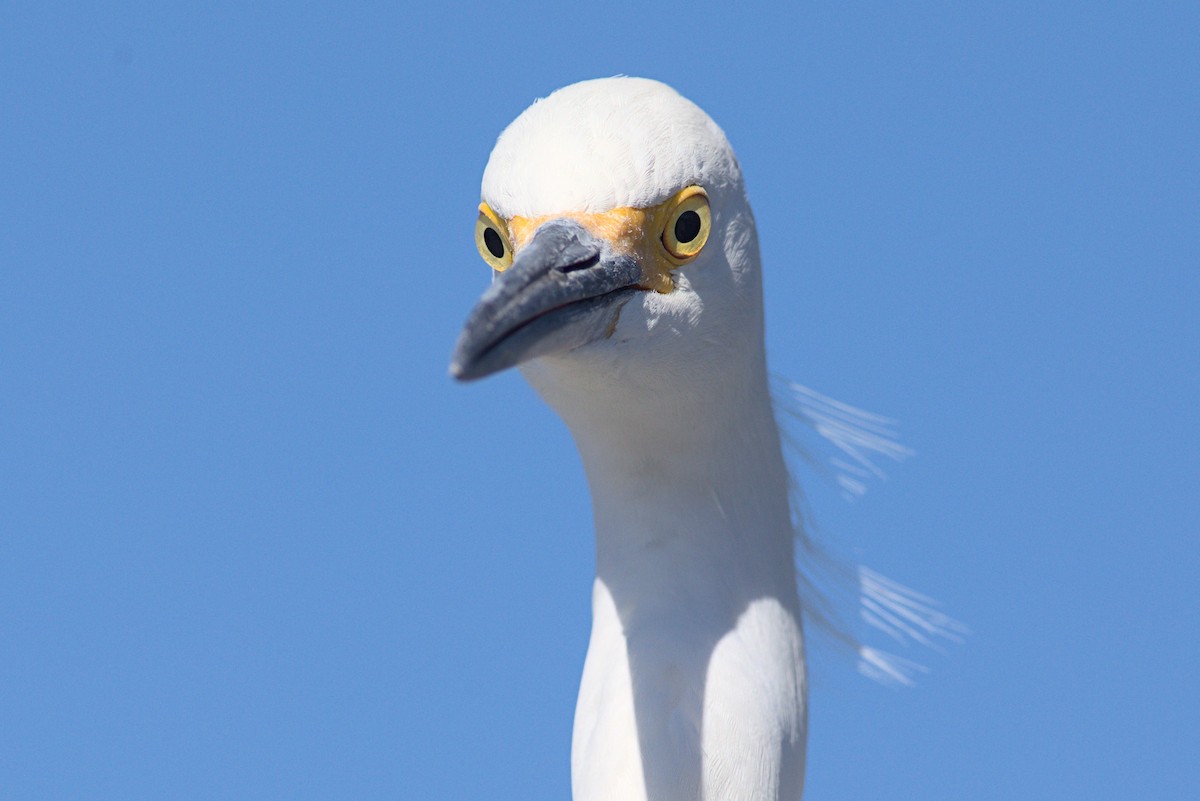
{"x":627,"y":288}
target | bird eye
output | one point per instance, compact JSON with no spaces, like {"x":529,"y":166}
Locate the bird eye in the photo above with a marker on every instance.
{"x":491,"y":237}
{"x":688,"y":224}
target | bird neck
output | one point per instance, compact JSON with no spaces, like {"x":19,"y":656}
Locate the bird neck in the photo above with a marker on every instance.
{"x":693,"y":543}
{"x":693,"y":478}
{"x":687,"y":510}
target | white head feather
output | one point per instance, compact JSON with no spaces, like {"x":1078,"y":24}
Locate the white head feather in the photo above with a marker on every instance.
{"x":603,"y":144}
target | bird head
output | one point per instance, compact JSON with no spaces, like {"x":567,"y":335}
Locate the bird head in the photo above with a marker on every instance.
{"x":623,"y":252}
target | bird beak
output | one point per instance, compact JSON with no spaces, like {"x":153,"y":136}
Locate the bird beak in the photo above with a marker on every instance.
{"x":565,"y":288}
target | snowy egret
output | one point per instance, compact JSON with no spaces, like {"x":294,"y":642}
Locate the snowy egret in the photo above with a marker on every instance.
{"x":627,"y":289}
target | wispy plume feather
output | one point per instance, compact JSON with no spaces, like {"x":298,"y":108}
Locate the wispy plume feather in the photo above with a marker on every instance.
{"x":859,"y":437}
{"x":855,"y":441}
{"x":905,"y":614}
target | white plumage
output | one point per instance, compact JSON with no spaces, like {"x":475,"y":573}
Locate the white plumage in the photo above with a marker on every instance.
{"x":694,"y":684}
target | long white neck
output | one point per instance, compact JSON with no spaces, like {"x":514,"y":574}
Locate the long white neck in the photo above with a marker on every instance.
{"x":694,"y":681}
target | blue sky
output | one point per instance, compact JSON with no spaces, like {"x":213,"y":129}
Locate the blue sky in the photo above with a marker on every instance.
{"x":255,"y":544}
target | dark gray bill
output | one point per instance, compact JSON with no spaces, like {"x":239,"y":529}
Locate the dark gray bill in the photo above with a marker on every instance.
{"x":563,"y":290}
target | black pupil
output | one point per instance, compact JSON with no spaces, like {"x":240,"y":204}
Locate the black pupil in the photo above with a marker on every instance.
{"x":687,"y":227}
{"x":495,"y":244}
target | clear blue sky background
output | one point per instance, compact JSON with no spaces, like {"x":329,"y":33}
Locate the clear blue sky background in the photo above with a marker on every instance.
{"x":254,"y":544}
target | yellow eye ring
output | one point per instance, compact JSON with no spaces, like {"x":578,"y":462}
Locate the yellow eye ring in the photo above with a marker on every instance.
{"x":688,"y":224}
{"x":491,"y":237}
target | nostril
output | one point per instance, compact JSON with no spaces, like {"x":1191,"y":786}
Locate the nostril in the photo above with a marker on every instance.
{"x":590,"y":261}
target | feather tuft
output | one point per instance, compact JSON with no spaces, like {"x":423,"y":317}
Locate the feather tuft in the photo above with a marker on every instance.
{"x":829,"y":585}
